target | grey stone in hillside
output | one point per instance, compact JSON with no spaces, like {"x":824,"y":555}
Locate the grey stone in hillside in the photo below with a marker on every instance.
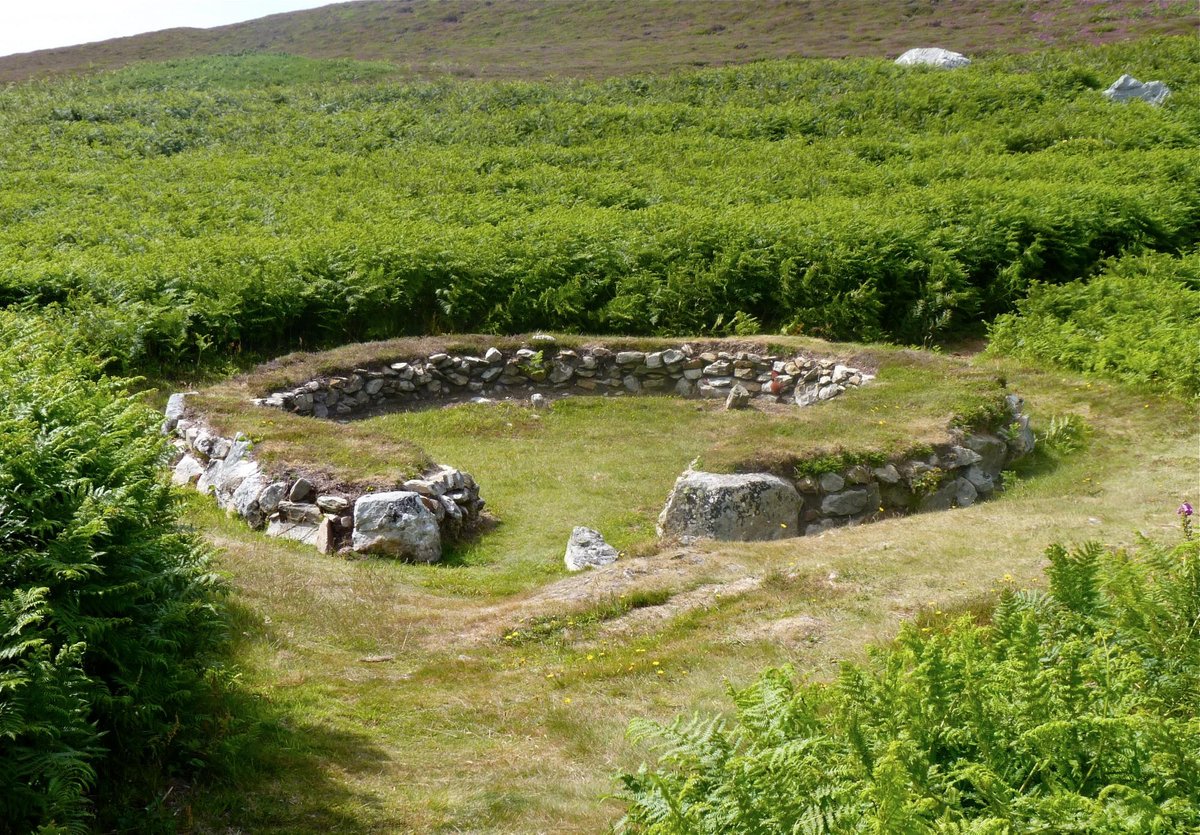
{"x":1021,"y":440}
{"x":396,"y":524}
{"x":244,"y":501}
{"x":743,"y":508}
{"x":846,"y":503}
{"x":305,"y":532}
{"x":300,"y":512}
{"x":739,"y":398}
{"x":993,"y":452}
{"x":187,"y":471}
{"x":269,"y":499}
{"x":807,"y":395}
{"x":941,"y":499}
{"x":932,"y":56}
{"x":965,"y":493}
{"x":301,"y":490}
{"x":1126,"y":88}
{"x":225,"y":477}
{"x":981,"y":481}
{"x":325,"y":540}
{"x":887,"y":474}
{"x":175,"y":408}
{"x":960,"y":456}
{"x":333,"y":504}
{"x":587,"y":549}
{"x":831,"y":482}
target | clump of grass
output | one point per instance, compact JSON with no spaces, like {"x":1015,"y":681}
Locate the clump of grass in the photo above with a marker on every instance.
{"x":1064,"y":435}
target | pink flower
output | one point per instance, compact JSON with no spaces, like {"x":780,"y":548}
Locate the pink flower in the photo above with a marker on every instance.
{"x":1185,"y":510}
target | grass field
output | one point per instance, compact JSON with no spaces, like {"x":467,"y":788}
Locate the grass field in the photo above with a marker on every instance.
{"x":463,"y":730}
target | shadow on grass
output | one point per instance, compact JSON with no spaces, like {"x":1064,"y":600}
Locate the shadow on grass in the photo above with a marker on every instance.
{"x":270,"y":768}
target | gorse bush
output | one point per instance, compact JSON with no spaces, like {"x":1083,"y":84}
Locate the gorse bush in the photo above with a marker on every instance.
{"x":1139,"y":321}
{"x":107,"y":609}
{"x":1074,"y":710}
{"x":199,"y":209}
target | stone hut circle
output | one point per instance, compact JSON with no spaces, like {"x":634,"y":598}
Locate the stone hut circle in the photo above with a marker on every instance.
{"x":415,"y":520}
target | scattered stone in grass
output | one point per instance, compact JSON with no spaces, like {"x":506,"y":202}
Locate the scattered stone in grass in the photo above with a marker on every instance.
{"x":587,"y":549}
{"x":1126,"y":88}
{"x":377,"y":659}
{"x":932,"y":56}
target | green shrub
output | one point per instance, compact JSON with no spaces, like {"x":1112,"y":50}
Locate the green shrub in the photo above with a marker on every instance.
{"x":107,"y":614}
{"x":1074,"y":710}
{"x":1139,"y":321}
{"x":203,"y":209}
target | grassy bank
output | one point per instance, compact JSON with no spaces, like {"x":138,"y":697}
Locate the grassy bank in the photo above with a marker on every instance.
{"x":460,"y":729}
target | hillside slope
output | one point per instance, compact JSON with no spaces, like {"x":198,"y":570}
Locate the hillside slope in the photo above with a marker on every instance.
{"x":536,"y":39}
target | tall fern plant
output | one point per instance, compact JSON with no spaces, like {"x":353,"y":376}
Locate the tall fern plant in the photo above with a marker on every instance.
{"x":1074,"y":711}
{"x":107,"y":609}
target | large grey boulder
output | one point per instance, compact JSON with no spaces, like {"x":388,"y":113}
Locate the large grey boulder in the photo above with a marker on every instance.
{"x":1126,"y":88}
{"x":587,"y":549}
{"x":932,"y":56}
{"x":742,"y":508}
{"x":244,"y":501}
{"x":396,"y":524}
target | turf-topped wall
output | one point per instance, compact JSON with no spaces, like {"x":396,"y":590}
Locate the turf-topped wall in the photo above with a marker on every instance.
{"x":684,"y":371}
{"x":757,"y":506}
{"x":412,"y":518}
{"x":411,"y":522}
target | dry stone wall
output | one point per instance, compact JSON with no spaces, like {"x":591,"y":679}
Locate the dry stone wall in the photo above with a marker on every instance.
{"x":759,"y":506}
{"x":544,"y":367}
{"x":410,"y":521}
